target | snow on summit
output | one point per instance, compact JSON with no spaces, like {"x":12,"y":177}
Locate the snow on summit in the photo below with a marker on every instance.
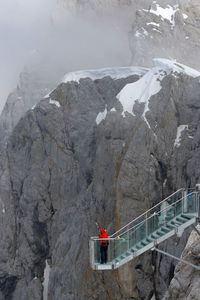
{"x":166,"y":13}
{"x":150,"y":84}
{"x":115,"y":73}
{"x":173,"y":66}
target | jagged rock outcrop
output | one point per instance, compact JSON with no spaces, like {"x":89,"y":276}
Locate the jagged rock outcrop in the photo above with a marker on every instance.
{"x":91,"y":152}
{"x":185,"y":284}
{"x":165,"y":30}
{"x":82,"y":157}
{"x":30,"y":89}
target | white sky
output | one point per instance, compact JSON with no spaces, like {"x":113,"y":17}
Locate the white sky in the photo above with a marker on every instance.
{"x":23,"y":23}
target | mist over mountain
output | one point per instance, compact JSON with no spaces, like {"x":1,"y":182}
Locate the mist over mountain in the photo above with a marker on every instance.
{"x":98,"y":129}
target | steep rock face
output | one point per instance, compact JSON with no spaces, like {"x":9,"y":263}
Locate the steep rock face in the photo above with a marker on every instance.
{"x":185,"y":284}
{"x":82,"y":156}
{"x":151,"y":29}
{"x":30,"y":89}
{"x":164,"y":30}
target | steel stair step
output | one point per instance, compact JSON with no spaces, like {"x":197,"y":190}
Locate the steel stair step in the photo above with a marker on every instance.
{"x":176,"y":222}
{"x":181,"y":220}
{"x":165,"y":229}
{"x":161,"y":232}
{"x":170,"y":226}
{"x":155,"y":235}
{"x":186,"y":217}
{"x":148,"y":240}
{"x":144,"y":243}
{"x":129,"y":252}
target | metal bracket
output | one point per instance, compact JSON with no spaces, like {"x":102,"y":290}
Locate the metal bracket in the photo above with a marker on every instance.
{"x":177,"y":258}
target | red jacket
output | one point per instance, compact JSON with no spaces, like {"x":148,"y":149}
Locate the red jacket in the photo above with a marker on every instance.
{"x":103,"y":235}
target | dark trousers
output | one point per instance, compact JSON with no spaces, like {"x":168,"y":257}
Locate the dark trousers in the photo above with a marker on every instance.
{"x":103,"y":250}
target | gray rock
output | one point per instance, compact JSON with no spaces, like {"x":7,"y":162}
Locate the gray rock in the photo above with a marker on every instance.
{"x":185,"y":283}
{"x":67,"y":172}
{"x":60,"y":173}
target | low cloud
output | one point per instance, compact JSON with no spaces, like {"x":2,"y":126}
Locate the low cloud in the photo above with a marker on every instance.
{"x":23,"y":24}
{"x":68,"y":42}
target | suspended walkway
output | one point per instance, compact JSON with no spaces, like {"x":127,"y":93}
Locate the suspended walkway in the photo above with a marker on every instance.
{"x":170,"y":216}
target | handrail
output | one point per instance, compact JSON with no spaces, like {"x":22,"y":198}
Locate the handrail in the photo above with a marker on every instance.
{"x":144,"y":221}
{"x":140,"y":234}
{"x":146,"y":212}
{"x":156,"y":213}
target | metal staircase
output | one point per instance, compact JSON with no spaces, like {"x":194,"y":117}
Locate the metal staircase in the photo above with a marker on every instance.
{"x":170,"y":216}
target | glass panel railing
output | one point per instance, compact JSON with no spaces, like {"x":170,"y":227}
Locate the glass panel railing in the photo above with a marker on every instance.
{"x":164,"y":203}
{"x":191,"y":203}
{"x":147,"y":228}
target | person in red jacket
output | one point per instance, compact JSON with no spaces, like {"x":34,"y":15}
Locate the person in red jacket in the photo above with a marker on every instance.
{"x":103,"y":245}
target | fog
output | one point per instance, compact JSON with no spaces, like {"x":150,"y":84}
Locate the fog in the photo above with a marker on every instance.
{"x":53,"y":40}
{"x":23,"y":24}
{"x":59,"y":41}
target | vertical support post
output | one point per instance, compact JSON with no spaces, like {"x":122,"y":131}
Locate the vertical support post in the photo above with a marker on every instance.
{"x":185,"y":202}
{"x":91,"y":247}
{"x":128,"y":240}
{"x":198,"y":199}
{"x":146,"y":223}
{"x":175,"y":213}
{"x":109,"y":252}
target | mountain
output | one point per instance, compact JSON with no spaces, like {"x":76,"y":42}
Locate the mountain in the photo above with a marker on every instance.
{"x":91,"y":151}
{"x":102,"y":147}
{"x":169,"y":31}
{"x":185,"y":282}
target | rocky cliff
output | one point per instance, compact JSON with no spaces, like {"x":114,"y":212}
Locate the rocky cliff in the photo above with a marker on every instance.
{"x":165,"y":30}
{"x":102,"y":147}
{"x":185,"y":284}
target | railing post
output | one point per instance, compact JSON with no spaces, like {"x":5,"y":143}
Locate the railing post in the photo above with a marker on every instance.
{"x":146,"y":225}
{"x":175,"y":213}
{"x":91,"y":247}
{"x":198,"y":199}
{"x":128,"y":240}
{"x":185,"y":202}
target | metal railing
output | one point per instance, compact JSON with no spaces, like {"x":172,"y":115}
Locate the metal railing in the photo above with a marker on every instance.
{"x":144,"y":226}
{"x":172,"y":198}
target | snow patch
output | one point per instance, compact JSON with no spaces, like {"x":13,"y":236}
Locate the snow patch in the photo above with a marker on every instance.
{"x":164,"y":183}
{"x":115,"y":73}
{"x":141,"y":91}
{"x":3,"y":206}
{"x":46,"y":280}
{"x":54,"y":102}
{"x":171,"y":66}
{"x":185,"y":16}
{"x":150,"y":84}
{"x":153,"y":23}
{"x":141,"y":33}
{"x":101,"y":116}
{"x":166,"y":13}
{"x":33,"y":107}
{"x":113,"y":109}
{"x":154,"y":29}
{"x":48,"y":95}
{"x":180,"y":129}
